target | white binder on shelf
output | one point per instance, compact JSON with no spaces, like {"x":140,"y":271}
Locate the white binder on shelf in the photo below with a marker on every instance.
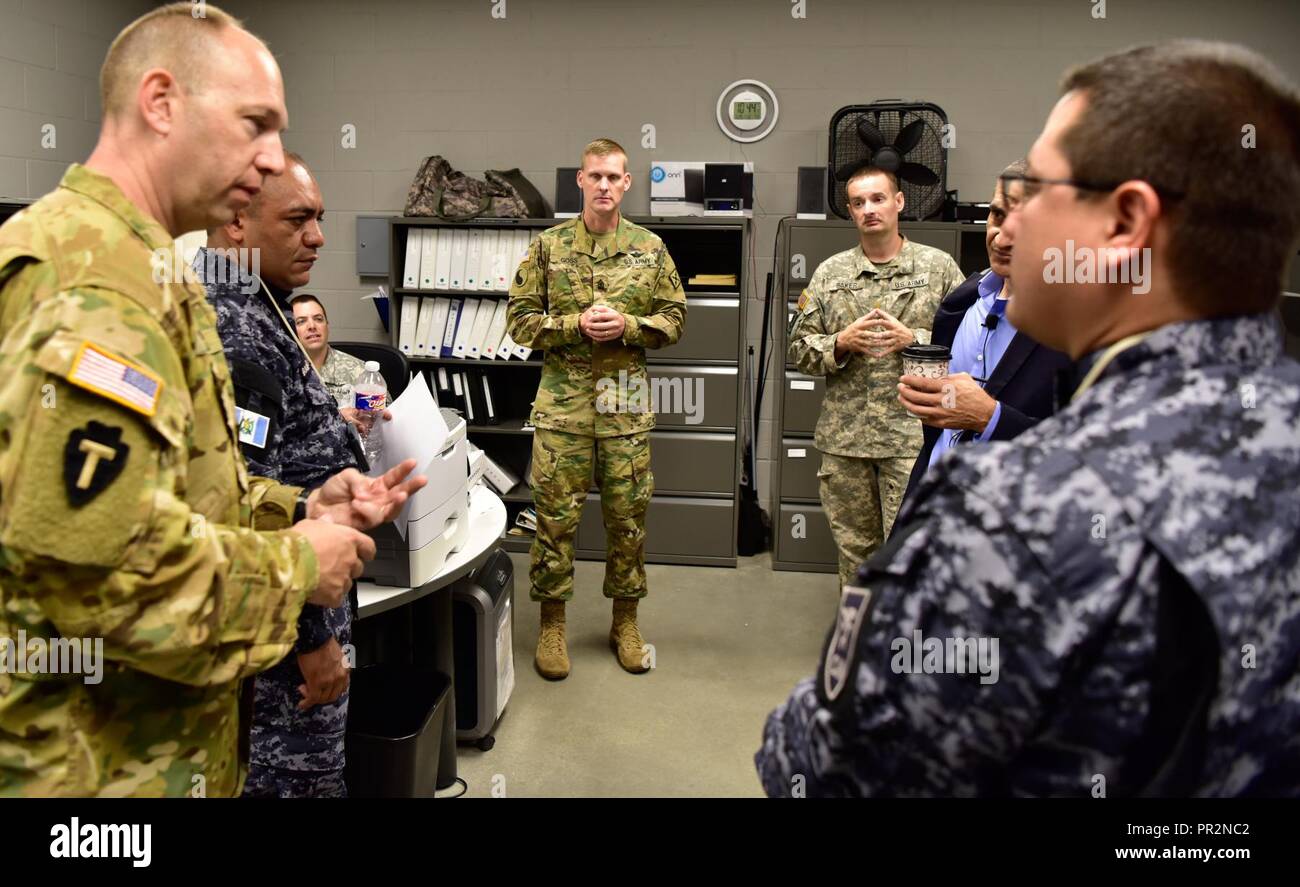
{"x":433,"y":342}
{"x":482,"y":322}
{"x":489,"y":407}
{"x":442,"y":279}
{"x":428,"y":257}
{"x":444,"y":396}
{"x":473,"y":258}
{"x":406,"y":329}
{"x":463,"y":380}
{"x":486,"y":279}
{"x":468,"y":316}
{"x":496,"y":330}
{"x":453,"y":322}
{"x":419,"y":347}
{"x":522,"y":239}
{"x":506,"y":349}
{"x":459,"y":253}
{"x":414,"y":246}
{"x":502,"y":270}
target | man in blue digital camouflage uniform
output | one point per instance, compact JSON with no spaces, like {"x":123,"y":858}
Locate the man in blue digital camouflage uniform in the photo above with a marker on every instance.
{"x":1108,"y":605}
{"x":291,"y":431}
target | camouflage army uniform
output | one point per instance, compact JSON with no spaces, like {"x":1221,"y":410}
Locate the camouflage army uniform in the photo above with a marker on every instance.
{"x":153,"y":549}
{"x":563,"y":274}
{"x":338,"y":372}
{"x":1168,"y":487}
{"x":291,"y":750}
{"x":867,"y":440}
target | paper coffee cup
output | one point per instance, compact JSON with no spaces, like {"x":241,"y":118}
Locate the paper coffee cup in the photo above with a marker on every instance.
{"x":928,"y":361}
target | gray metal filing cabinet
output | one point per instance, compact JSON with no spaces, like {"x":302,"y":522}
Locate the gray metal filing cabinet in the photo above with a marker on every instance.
{"x":801,"y":535}
{"x":705,"y":528}
{"x":695,"y":448}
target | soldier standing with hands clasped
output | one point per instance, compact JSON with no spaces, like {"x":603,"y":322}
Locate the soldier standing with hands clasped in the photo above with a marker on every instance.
{"x":861,"y":308}
{"x":128,"y":516}
{"x":594,"y":292}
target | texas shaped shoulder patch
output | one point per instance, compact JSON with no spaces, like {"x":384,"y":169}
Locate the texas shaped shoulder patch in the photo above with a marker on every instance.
{"x":93,"y":458}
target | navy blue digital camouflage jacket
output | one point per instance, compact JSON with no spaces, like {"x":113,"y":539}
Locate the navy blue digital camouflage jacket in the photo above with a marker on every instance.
{"x":306,"y":442}
{"x":1136,"y":559}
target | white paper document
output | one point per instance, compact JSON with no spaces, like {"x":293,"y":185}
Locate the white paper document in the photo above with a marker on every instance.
{"x":416,"y":431}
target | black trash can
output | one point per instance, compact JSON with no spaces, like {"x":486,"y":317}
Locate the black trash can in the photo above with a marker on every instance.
{"x":395,"y":730}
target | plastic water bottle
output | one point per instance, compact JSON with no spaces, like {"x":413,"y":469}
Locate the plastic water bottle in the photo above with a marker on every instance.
{"x":370,"y":397}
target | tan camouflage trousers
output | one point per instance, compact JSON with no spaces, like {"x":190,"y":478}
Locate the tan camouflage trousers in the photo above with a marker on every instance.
{"x":861,"y":498}
{"x":561,"y":476}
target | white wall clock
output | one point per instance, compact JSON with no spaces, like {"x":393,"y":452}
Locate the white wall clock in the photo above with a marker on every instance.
{"x":747,"y":110}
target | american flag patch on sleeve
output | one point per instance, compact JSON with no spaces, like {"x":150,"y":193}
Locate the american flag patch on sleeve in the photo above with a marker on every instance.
{"x":121,"y":381}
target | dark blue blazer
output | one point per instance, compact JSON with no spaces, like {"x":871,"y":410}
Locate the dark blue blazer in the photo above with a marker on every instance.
{"x":1024,"y":380}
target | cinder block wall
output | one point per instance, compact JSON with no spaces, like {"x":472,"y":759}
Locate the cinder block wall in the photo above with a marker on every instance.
{"x":529,"y":89}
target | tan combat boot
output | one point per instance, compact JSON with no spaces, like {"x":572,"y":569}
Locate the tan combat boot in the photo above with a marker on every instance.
{"x":552,"y":653}
{"x":625,"y":638}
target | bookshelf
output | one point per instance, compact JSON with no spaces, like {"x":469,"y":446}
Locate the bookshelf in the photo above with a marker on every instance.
{"x":695,"y":450}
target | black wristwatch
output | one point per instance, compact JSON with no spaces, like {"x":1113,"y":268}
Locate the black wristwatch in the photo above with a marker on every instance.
{"x":300,"y":507}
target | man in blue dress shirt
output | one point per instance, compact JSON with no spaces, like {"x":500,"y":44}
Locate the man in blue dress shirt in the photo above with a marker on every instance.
{"x":1001,"y":382}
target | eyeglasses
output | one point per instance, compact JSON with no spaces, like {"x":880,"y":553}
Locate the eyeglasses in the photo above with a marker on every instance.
{"x":1030,"y":186}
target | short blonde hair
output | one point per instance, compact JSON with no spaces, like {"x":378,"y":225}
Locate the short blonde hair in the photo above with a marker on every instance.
{"x":169,"y":37}
{"x":603,"y":148}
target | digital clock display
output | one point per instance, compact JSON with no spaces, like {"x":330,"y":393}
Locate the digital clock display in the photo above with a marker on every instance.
{"x":747,"y":110}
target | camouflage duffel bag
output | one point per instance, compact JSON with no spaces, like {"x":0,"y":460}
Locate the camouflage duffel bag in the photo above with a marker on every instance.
{"x":439,"y":190}
{"x":524,"y":200}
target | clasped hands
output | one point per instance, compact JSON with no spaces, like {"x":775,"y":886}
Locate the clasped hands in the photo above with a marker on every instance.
{"x":875,"y":334}
{"x":601,"y":323}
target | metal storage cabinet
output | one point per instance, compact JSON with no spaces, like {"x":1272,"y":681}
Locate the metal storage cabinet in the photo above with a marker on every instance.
{"x":714,"y":391}
{"x":693,"y":462}
{"x":704,"y":527}
{"x":800,"y":461}
{"x":804,"y":245}
{"x":695,"y":451}
{"x":805,"y":539}
{"x":802,"y":401}
{"x":692,"y":516}
{"x":712,"y":325}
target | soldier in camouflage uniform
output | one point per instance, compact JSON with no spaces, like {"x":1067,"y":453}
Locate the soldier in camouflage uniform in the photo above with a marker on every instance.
{"x":338,"y":369}
{"x":1136,"y":556}
{"x":298,"y":734}
{"x":127,"y":515}
{"x":853,"y":319}
{"x":594,"y":293}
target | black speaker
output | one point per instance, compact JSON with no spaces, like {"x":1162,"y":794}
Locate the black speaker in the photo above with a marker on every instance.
{"x":724,"y":187}
{"x":811,"y":200}
{"x":693,"y":183}
{"x":568,"y":196}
